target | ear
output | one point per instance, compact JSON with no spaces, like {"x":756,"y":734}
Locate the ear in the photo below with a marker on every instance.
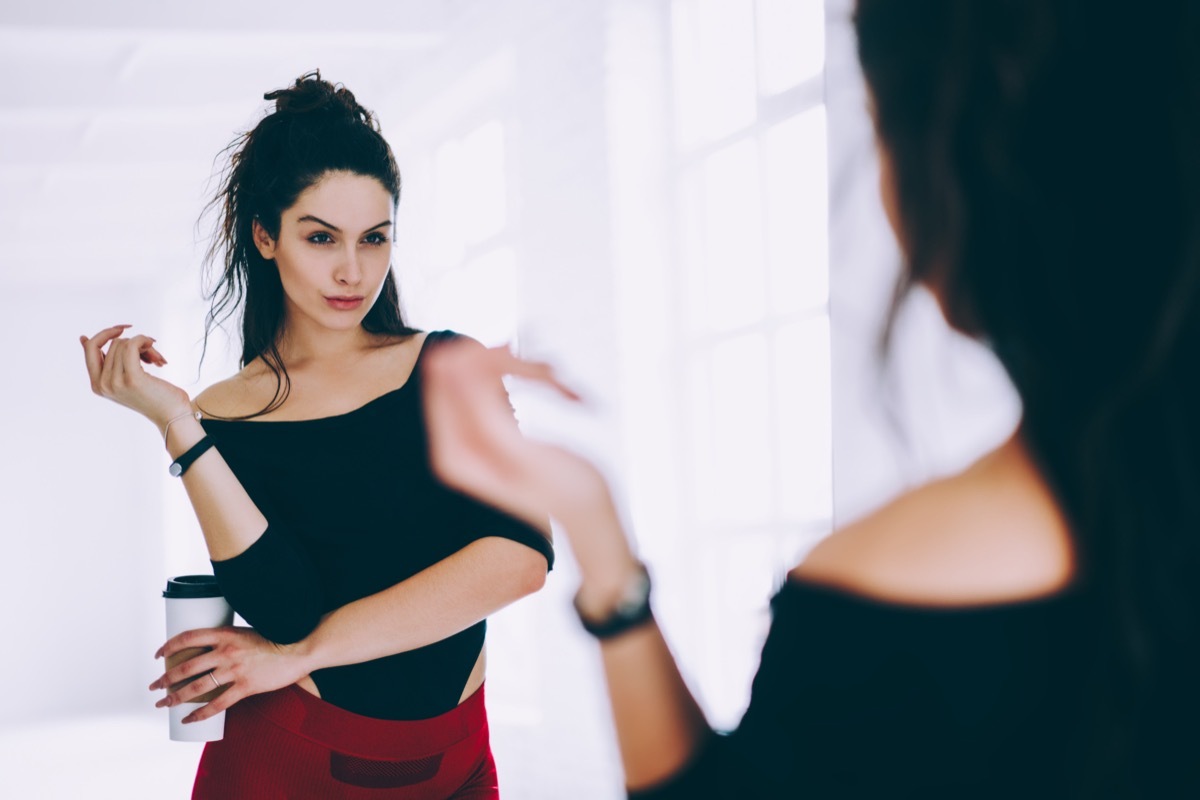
{"x":263,"y":241}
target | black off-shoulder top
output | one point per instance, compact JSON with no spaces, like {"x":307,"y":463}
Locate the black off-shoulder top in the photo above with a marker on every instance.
{"x":353,"y":508}
{"x":860,"y":698}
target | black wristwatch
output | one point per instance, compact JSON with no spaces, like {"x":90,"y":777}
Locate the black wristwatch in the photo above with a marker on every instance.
{"x":180,"y":465}
{"x":632,"y":609}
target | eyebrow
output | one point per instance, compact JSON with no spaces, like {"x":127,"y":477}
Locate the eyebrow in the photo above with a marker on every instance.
{"x":335,"y":228}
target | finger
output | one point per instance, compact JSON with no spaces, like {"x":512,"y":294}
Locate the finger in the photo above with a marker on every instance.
{"x":110,"y":369}
{"x":131,"y":354}
{"x":108,"y":334}
{"x":114,"y":363}
{"x":151,"y":356}
{"x":186,"y":671}
{"x":93,"y":355}
{"x":197,"y":637}
{"x":203,"y":683}
{"x":227,"y":699}
{"x":539,"y":371}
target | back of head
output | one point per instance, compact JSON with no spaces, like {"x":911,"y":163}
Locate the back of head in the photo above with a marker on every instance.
{"x":1045,"y":157}
{"x":315,"y":127}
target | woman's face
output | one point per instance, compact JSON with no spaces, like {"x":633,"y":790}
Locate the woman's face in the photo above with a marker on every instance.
{"x":333,"y":249}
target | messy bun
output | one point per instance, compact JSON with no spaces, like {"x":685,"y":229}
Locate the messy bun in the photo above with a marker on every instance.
{"x":311,"y":94}
{"x":315,"y":127}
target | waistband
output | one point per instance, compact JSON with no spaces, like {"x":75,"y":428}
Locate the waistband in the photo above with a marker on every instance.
{"x":307,"y":715}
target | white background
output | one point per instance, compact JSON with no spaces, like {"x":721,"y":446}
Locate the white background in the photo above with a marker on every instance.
{"x":550,"y":151}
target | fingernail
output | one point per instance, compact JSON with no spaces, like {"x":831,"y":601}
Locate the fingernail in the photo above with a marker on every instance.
{"x":153,"y":686}
{"x":160,"y":704}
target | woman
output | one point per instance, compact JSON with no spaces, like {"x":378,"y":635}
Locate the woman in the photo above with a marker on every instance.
{"x":366,"y":582}
{"x":1029,"y":627}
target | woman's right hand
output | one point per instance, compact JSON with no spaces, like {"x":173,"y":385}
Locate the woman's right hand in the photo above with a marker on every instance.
{"x":118,"y":375}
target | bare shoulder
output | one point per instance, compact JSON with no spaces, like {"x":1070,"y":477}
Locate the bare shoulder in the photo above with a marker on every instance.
{"x":241,"y":394}
{"x":991,"y":534}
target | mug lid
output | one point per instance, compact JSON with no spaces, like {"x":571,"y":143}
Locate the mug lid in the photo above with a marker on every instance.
{"x":192,"y":586}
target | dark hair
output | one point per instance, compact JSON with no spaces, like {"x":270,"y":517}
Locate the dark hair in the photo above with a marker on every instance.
{"x":315,"y":128}
{"x":1046,"y":158}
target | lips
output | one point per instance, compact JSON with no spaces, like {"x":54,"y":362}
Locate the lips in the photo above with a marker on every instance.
{"x":344,"y":303}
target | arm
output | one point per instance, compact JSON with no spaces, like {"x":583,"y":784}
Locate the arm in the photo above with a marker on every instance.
{"x":659,"y":724}
{"x":436,"y":603}
{"x":231,"y":522}
{"x":474,"y":449}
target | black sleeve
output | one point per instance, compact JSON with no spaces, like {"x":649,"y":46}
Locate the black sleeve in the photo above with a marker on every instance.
{"x":273,"y":587}
{"x":478,"y":520}
{"x":272,"y":584}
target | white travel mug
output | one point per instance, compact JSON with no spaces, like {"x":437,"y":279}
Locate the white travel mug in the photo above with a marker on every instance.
{"x":194,"y":601}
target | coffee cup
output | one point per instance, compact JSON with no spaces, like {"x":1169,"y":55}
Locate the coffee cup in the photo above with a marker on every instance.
{"x":194,"y":601}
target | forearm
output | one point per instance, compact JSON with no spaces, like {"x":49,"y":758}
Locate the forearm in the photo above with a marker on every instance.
{"x":659,"y":724}
{"x":229,"y":519}
{"x":438,"y":602}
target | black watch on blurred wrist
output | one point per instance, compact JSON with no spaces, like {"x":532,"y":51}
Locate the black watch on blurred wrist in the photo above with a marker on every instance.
{"x":632,"y":609}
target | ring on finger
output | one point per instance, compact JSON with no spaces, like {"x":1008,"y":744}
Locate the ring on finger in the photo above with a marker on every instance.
{"x":216,"y":683}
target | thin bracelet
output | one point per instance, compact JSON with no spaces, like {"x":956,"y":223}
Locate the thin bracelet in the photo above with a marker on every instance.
{"x":167,"y":429}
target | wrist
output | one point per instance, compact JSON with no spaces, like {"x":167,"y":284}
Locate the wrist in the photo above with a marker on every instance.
{"x":627,"y":609}
{"x":602,"y":591}
{"x":304,"y":653}
{"x":182,"y":434}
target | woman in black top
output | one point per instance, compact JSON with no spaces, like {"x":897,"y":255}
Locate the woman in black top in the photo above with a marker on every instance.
{"x":366,"y":581}
{"x":1029,"y":627}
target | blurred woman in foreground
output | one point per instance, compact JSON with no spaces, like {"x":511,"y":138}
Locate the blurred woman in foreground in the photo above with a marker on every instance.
{"x":1027,"y":628}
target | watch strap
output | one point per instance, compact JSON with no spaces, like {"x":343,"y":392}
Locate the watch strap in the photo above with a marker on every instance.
{"x":181,"y":464}
{"x":632,"y":609}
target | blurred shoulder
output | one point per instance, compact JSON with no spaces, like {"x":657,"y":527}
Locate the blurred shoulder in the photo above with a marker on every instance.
{"x":991,"y":534}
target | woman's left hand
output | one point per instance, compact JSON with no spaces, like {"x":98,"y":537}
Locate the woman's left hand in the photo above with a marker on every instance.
{"x":239,"y":659}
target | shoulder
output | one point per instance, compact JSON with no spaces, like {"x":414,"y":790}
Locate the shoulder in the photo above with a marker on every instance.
{"x":991,"y":534}
{"x":248,"y":391}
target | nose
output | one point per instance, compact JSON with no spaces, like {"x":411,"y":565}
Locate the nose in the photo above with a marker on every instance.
{"x":349,"y":271}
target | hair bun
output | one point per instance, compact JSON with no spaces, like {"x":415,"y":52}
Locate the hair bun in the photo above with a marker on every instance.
{"x":312,"y":94}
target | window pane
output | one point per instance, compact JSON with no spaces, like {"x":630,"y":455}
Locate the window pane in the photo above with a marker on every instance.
{"x":791,"y":42}
{"x":737,"y":577}
{"x":797,"y":212}
{"x":733,"y":238}
{"x":447,"y":237}
{"x":741,"y":430}
{"x":805,"y":420}
{"x":480,"y":298}
{"x":699,"y":441}
{"x":480,"y":192}
{"x":712,"y":46}
{"x":692,"y":247}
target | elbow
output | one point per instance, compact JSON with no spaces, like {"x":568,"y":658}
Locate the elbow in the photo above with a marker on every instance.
{"x":532,"y":576}
{"x":286,"y":633}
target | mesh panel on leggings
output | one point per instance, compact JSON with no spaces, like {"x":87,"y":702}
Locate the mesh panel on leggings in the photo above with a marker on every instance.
{"x":372,"y":774}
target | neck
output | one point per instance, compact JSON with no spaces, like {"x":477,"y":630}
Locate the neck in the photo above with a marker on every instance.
{"x":303,"y":342}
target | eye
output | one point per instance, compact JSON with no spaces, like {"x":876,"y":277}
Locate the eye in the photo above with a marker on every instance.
{"x":320,"y":237}
{"x":376,"y":238}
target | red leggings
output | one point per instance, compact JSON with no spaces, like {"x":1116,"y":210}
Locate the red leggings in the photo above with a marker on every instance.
{"x":291,"y":744}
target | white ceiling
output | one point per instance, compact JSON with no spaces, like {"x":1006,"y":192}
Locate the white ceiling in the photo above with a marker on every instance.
{"x":112,"y":113}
